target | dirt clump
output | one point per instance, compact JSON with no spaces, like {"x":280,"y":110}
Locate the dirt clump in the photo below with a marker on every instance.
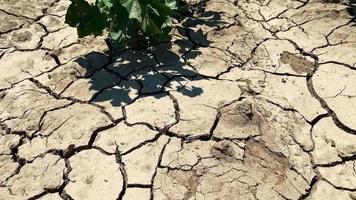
{"x":298,"y":64}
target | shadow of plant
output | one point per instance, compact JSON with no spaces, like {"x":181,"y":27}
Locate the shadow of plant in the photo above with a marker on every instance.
{"x":131,"y":73}
{"x":352,"y":11}
{"x":350,"y":7}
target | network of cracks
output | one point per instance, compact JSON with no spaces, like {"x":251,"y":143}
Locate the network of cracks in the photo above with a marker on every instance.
{"x":250,"y":99}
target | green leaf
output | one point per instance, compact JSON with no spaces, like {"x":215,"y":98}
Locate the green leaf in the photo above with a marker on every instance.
{"x":133,"y":7}
{"x":87,"y":18}
{"x":149,"y":26}
{"x":172,"y":4}
{"x":152,"y":9}
{"x":120,"y":20}
{"x":106,"y":3}
{"x":94,"y":23}
{"x":118,"y":36}
{"x":127,"y":21}
{"x":162,"y":9}
{"x":167,"y":25}
{"x":76,"y":10}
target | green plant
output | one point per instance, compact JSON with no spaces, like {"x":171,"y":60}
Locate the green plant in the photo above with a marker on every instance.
{"x":128,"y":22}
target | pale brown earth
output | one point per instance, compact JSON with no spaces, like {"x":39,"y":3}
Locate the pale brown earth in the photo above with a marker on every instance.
{"x":251,"y":99}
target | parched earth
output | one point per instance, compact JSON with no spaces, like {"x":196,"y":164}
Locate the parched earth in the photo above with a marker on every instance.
{"x":251,"y":99}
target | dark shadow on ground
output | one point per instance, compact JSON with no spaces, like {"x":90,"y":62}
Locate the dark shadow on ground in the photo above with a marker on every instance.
{"x":350,"y":7}
{"x":151,"y":71}
{"x":352,"y":11}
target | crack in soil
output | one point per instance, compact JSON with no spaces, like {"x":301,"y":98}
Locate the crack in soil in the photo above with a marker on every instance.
{"x":224,"y":55}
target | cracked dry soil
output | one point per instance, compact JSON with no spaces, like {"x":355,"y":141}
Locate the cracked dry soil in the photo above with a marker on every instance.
{"x":251,"y":99}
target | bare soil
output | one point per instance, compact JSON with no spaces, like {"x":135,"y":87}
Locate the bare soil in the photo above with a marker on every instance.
{"x":251,"y":99}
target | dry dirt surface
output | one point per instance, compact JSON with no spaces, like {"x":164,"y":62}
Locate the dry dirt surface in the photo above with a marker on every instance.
{"x":251,"y":99}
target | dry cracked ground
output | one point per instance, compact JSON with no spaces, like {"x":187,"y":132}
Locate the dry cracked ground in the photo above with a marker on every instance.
{"x":251,"y":99}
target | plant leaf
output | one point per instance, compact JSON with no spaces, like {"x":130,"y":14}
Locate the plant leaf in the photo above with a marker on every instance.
{"x":86,"y":18}
{"x":76,"y":10}
{"x":127,"y":21}
{"x":172,"y":4}
{"x":120,"y":23}
{"x":106,"y":3}
{"x":149,"y":26}
{"x":133,"y":7}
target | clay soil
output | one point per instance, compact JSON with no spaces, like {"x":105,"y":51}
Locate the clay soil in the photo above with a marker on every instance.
{"x":250,"y":99}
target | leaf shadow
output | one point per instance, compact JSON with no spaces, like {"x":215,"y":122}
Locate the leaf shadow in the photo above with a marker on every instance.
{"x":133,"y":73}
{"x":351,"y":9}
